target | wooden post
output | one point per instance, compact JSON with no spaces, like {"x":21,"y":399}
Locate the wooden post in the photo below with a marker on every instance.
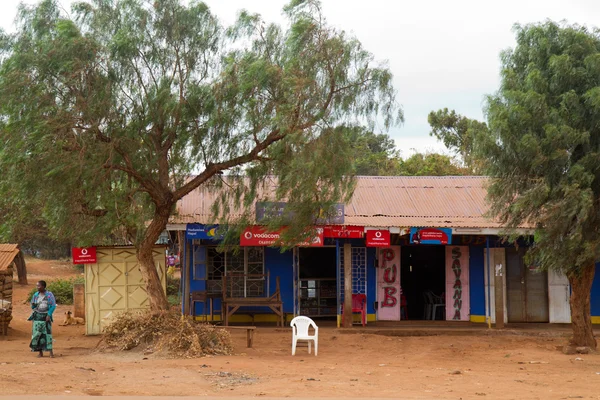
{"x":79,"y":300}
{"x":347,"y":317}
{"x":498,"y":268}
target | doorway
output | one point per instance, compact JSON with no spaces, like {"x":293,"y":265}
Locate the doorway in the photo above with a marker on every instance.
{"x":317,"y":283}
{"x":423,"y":273}
{"x":526,"y":290}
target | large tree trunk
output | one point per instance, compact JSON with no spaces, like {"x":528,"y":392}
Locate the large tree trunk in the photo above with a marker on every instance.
{"x":21,"y":268}
{"x":581,"y":319}
{"x":156,"y":294}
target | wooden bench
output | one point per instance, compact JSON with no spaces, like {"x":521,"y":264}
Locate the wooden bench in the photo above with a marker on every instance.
{"x":230,"y":304}
{"x":249,"y":333}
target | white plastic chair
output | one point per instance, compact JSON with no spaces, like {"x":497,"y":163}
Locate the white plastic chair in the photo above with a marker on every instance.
{"x":300,"y":326}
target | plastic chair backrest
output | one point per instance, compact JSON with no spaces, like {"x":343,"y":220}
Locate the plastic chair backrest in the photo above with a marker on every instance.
{"x":358,"y":300}
{"x":301,"y":324}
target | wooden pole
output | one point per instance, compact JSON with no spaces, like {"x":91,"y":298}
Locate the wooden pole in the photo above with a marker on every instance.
{"x":79,"y":300}
{"x":347,"y":317}
{"x":499,"y":289}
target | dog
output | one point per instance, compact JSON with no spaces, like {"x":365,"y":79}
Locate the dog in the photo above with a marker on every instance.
{"x":71,"y":320}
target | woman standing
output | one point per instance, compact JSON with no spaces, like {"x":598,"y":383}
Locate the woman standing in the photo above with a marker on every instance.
{"x":43,"y":305}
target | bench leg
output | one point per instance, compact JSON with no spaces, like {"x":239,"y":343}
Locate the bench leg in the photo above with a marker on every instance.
{"x":250,"y":337}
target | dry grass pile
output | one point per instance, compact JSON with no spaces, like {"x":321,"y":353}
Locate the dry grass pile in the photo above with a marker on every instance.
{"x":166,"y":331}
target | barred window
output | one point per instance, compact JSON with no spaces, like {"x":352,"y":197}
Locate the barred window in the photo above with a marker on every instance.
{"x":247,"y":260}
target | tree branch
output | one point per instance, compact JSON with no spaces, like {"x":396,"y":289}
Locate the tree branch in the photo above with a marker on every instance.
{"x":212,"y":169}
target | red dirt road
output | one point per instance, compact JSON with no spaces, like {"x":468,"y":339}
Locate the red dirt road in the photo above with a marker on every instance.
{"x":348,"y":366}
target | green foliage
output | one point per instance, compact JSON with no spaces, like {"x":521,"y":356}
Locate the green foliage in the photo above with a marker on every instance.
{"x":543,"y":147}
{"x":62,"y":289}
{"x":173,"y":300}
{"x":430,"y":164}
{"x":458,"y":134}
{"x":173,"y":285}
{"x":105,"y":116}
{"x":373,"y":154}
{"x":108,"y":113}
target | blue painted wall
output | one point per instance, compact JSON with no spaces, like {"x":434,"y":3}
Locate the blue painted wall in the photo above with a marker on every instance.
{"x":595,"y":299}
{"x":476,"y":280}
{"x":281,"y":264}
{"x":371,"y":280}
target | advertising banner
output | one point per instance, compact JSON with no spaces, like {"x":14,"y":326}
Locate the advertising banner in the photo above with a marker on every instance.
{"x":201,"y":231}
{"x":430,"y":235}
{"x":84,"y":255}
{"x":457,"y":283}
{"x":258,"y":236}
{"x":388,"y":284}
{"x":348,"y":232}
{"x":378,"y":238}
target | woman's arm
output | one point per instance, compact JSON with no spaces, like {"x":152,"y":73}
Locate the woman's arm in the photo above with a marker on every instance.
{"x":51,"y":304}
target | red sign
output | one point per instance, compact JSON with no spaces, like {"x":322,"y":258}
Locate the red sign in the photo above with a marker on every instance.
{"x":84,"y":255}
{"x":258,"y":236}
{"x":340,"y":231}
{"x":378,"y":238}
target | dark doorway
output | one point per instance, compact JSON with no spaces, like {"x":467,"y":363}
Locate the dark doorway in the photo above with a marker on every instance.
{"x":423,"y":271}
{"x":318,"y":288}
{"x":526,"y":290}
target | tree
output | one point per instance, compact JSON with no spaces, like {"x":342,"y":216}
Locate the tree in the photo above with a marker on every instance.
{"x":374,"y":154}
{"x":430,"y":164}
{"x":543,"y":152}
{"x":458,"y":134}
{"x":113,"y":116}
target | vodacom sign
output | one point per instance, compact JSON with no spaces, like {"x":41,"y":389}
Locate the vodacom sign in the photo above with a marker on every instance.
{"x":378,"y":238}
{"x":258,"y":236}
{"x":84,"y":255}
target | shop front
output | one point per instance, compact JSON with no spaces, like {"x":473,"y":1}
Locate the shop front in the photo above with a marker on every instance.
{"x":415,"y":248}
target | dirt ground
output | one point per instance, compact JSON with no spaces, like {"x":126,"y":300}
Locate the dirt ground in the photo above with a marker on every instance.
{"x":350,"y":366}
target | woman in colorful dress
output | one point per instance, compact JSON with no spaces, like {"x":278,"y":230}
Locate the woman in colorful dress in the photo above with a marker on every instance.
{"x":43,"y":304}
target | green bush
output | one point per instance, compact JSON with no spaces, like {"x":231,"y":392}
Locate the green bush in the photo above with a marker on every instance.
{"x":62,"y":289}
{"x":173,"y":286}
{"x":173,"y":300}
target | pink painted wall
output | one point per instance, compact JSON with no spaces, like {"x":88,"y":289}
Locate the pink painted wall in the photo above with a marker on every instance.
{"x":457,"y":283}
{"x":388,"y":283}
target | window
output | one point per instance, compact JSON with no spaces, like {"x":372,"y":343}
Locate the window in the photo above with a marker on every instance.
{"x":246,"y":261}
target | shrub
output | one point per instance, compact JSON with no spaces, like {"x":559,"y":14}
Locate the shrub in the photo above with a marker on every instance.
{"x":62,"y":289}
{"x":173,"y":300}
{"x":173,"y":286}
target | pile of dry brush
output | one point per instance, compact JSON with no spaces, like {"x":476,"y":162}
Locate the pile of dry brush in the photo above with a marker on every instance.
{"x":165,"y":331}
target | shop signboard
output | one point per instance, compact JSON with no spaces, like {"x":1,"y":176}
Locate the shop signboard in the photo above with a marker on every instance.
{"x":389,"y":292}
{"x":258,"y":236}
{"x":270,"y":209}
{"x":457,"y":283}
{"x":201,"y":231}
{"x":378,"y":238}
{"x":430,"y":235}
{"x":346,"y":232}
{"x":84,"y":255}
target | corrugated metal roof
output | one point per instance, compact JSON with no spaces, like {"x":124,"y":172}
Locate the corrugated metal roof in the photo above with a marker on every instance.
{"x":8,"y":252}
{"x":389,"y":201}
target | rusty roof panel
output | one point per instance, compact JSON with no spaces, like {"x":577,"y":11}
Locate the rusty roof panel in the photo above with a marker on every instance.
{"x":400,"y":201}
{"x":8,"y":252}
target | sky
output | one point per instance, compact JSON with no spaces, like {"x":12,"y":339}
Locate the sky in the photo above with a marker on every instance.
{"x":442,"y":53}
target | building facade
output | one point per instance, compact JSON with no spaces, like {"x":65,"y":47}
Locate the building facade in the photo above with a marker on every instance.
{"x":419,"y":248}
